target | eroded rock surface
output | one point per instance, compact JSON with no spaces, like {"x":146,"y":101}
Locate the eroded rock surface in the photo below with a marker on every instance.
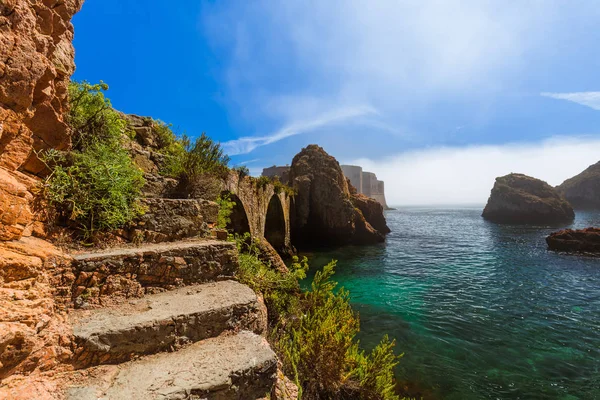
{"x":34,"y":335}
{"x":521,"y":199}
{"x":36,"y":62}
{"x":324,"y":213}
{"x":583,"y":190}
{"x":575,"y":240}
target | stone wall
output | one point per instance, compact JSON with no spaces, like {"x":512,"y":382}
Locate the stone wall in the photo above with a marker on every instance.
{"x":36,"y":63}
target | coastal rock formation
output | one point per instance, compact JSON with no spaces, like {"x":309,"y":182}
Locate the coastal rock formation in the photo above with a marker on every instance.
{"x":583,"y":190}
{"x":518,"y":198}
{"x":323,"y":212}
{"x":34,"y":335}
{"x":36,"y":62}
{"x":372,"y":210}
{"x":577,"y":241}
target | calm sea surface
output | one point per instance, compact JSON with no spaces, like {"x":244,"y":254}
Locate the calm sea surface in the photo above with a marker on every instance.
{"x":481,"y":311}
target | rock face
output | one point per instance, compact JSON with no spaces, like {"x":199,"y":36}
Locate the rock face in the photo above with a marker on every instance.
{"x":36,"y":62}
{"x":521,"y":199}
{"x":324,"y":213}
{"x":577,"y":241}
{"x":583,"y":190}
{"x":34,"y":335}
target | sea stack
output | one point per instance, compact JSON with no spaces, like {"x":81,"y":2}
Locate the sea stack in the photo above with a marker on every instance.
{"x":575,"y":241}
{"x":583,"y":190}
{"x":521,"y":199}
{"x":324,"y":213}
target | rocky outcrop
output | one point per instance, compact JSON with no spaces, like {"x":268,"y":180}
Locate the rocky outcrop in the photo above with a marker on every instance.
{"x":372,"y":210}
{"x":521,"y":199}
{"x":34,"y":335}
{"x":583,"y":190}
{"x":575,"y":241}
{"x":36,"y":62}
{"x":323,"y":212}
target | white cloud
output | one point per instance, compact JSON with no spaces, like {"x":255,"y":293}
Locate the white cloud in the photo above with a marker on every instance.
{"x":466,"y":175}
{"x":388,"y":53}
{"x":589,"y":99}
{"x":247,"y":144}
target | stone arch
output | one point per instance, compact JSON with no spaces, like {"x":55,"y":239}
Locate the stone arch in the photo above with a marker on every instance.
{"x":275,"y":224}
{"x":239,"y":217}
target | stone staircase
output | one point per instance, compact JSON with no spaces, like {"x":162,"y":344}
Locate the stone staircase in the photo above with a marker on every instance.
{"x":167,"y":321}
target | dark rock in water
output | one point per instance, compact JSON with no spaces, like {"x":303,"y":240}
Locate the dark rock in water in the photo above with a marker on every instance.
{"x":324,"y":213}
{"x":577,"y":241}
{"x":521,"y":199}
{"x":583,"y":190}
{"x":372,"y":210}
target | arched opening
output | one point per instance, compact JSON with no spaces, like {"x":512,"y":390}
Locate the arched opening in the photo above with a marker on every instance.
{"x":238,"y":219}
{"x":275,"y":224}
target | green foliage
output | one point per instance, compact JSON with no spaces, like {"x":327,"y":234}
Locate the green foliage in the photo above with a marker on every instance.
{"x":242,"y":171}
{"x":262,"y":181}
{"x":314,"y":332}
{"x":281,"y":187}
{"x":92,"y":117}
{"x":190,"y":160}
{"x":95,"y":186}
{"x":225,"y":210}
{"x":280,"y":290}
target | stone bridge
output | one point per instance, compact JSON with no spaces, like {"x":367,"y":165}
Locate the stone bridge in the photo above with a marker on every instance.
{"x":259,"y":210}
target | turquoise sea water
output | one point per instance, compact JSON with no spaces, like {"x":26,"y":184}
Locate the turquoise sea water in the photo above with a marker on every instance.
{"x":481,"y":311}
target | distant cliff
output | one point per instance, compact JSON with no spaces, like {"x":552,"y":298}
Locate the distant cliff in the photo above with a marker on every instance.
{"x":583,"y":190}
{"x":366,"y":183}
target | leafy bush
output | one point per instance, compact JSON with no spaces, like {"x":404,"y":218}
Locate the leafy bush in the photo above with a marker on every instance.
{"x":242,"y":171}
{"x":91,"y":116}
{"x":280,"y":291}
{"x":194,"y":159}
{"x":95,"y":186}
{"x":314,"y":332}
{"x":282,"y":187}
{"x":225,"y":210}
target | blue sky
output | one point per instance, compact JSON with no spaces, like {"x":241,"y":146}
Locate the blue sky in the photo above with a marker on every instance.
{"x":436,"y":96}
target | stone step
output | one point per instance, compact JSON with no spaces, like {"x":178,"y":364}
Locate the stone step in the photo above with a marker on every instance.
{"x":241,"y":366}
{"x":126,"y":271}
{"x":165,"y":321}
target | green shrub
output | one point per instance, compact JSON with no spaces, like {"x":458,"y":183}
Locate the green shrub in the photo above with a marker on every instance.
{"x":242,"y":171}
{"x":91,"y":116}
{"x":225,"y":210}
{"x":191,"y":160}
{"x":314,"y":332}
{"x":281,"y":291}
{"x":282,"y":187}
{"x":95,"y":186}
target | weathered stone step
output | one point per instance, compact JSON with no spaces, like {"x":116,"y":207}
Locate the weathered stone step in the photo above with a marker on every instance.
{"x":124,"y":271}
{"x":241,"y":366}
{"x":165,"y":321}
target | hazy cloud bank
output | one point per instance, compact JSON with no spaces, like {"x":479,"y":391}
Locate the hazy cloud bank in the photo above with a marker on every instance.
{"x":466,"y":175}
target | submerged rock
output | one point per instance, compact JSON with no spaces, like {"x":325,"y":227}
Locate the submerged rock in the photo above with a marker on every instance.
{"x":575,"y":240}
{"x":324,"y":213}
{"x":583,"y":190}
{"x":518,"y":198}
